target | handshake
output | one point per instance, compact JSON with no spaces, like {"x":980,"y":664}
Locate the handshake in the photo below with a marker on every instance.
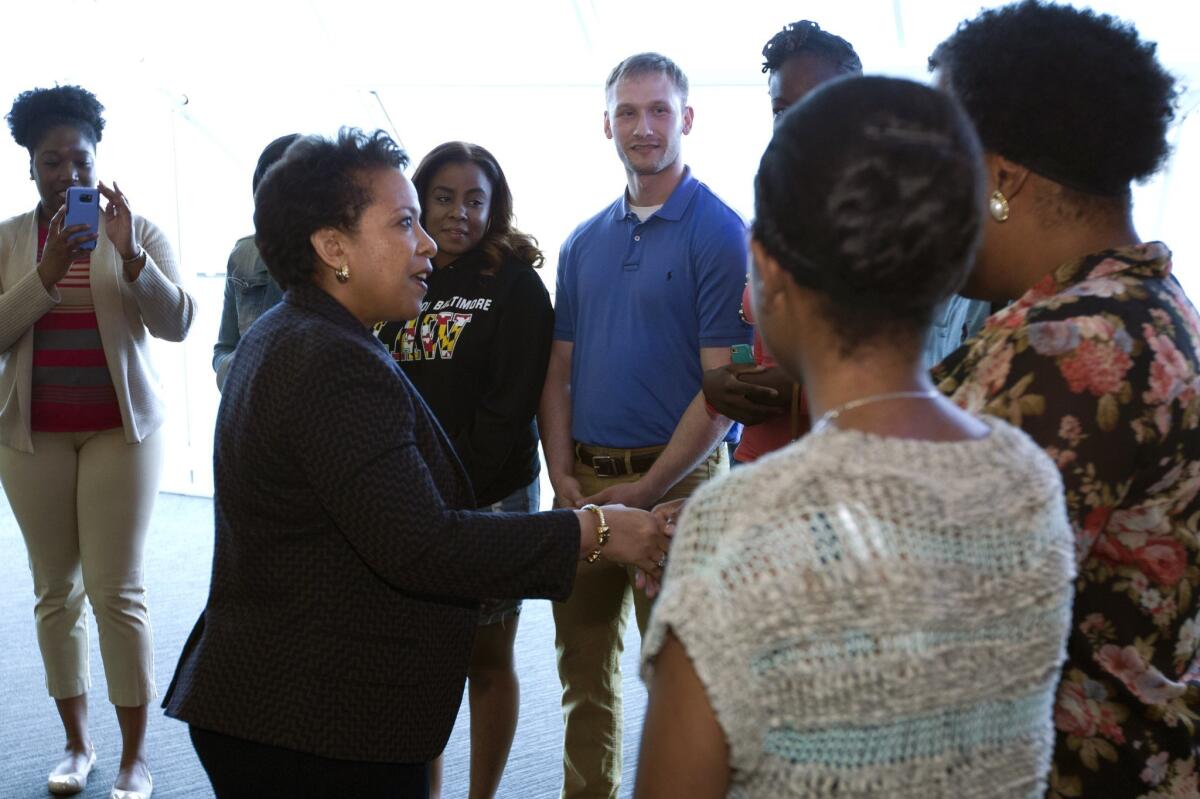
{"x":636,"y":538}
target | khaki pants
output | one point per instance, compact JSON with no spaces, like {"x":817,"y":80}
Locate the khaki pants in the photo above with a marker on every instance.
{"x":83,"y":502}
{"x":589,"y":638}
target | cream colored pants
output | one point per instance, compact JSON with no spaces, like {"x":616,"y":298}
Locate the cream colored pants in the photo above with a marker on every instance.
{"x":83,"y":503}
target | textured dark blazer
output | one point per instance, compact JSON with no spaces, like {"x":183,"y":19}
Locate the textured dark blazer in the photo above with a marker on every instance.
{"x":347,"y":570}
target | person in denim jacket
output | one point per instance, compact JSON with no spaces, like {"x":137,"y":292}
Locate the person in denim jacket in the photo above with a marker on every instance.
{"x":249,"y":289}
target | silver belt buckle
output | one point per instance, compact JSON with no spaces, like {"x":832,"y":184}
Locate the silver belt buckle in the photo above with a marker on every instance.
{"x":605,"y":466}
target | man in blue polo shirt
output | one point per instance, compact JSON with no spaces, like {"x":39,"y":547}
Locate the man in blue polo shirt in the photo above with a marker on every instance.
{"x":647,"y":299}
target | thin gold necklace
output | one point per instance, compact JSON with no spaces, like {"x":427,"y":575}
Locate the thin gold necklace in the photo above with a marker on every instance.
{"x":831,"y":415}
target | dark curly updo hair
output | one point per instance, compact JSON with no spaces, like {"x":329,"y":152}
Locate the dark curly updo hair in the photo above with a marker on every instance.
{"x":502,"y":239}
{"x":319,"y":183}
{"x":37,"y":111}
{"x":805,"y":37}
{"x":1073,"y":95}
{"x":871,"y":194}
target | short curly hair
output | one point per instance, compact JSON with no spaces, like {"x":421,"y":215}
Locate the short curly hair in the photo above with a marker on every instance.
{"x":1073,"y":95}
{"x":805,"y":37}
{"x":319,"y":183}
{"x":37,"y":111}
{"x":871,"y":194}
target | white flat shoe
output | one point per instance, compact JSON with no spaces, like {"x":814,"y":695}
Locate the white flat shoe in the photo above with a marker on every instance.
{"x":72,"y":782}
{"x":117,"y":793}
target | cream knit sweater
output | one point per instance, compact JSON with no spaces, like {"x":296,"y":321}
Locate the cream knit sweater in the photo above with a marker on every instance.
{"x":878,"y":616}
{"x":153,"y":305}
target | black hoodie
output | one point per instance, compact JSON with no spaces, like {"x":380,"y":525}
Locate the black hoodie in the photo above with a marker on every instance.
{"x":477,"y":353}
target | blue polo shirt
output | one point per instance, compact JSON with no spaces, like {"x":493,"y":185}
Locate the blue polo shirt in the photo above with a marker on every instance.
{"x":639,"y":300}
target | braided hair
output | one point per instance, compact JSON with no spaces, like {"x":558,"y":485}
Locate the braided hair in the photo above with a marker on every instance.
{"x":806,"y":37}
{"x":871,"y":194}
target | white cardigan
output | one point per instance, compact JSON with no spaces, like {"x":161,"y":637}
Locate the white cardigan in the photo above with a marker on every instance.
{"x":155,"y":303}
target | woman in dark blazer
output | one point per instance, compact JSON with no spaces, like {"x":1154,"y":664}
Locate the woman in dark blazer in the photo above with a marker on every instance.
{"x":331,"y":656}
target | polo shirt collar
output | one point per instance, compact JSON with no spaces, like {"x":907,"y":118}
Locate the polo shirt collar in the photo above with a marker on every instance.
{"x":675,"y":205}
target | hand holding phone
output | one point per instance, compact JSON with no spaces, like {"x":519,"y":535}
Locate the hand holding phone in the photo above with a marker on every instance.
{"x":64,"y":246}
{"x":742,"y":354}
{"x":730,"y":395}
{"x":83,"y":208}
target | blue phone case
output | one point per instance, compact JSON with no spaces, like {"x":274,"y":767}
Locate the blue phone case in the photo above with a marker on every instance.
{"x":83,"y":208}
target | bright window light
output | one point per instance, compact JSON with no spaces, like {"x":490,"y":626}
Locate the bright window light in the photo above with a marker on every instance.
{"x":195,"y":90}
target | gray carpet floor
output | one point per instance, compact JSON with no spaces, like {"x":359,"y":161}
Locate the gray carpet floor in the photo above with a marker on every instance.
{"x":177,"y":571}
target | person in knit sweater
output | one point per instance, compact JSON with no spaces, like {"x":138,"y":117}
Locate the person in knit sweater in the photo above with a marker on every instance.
{"x":880,"y":608}
{"x":80,"y":447}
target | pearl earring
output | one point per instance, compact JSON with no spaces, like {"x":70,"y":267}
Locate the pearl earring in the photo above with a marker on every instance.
{"x":998,"y":206}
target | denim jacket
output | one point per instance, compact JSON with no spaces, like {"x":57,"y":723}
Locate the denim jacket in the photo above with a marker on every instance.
{"x":954,"y":321}
{"x":249,"y":292}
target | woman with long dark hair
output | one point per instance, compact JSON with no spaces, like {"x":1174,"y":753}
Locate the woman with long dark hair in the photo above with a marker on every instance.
{"x":477,"y":352}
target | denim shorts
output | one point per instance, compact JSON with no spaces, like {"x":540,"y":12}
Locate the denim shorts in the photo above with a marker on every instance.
{"x":523,"y":500}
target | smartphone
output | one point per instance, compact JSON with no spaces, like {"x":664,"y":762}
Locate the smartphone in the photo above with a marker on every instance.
{"x":742,"y":354}
{"x":83,"y":208}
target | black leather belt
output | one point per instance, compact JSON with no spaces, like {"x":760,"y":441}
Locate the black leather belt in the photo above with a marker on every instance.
{"x":608,"y":465}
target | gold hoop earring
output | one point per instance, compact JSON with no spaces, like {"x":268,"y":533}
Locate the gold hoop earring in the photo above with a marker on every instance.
{"x":998,"y":206}
{"x":342,"y":273}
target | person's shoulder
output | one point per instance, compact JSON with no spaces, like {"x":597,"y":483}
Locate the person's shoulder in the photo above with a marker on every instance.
{"x":523,"y":277}
{"x":516,"y":267}
{"x":712,"y":224}
{"x":598,"y":224}
{"x":748,"y":490}
{"x":710,"y":205}
{"x":244,"y":259}
{"x":245,"y":244}
{"x":295,"y":353}
{"x":1099,"y":311}
{"x":1010,"y":446}
{"x":16,"y":223}
{"x":728,"y":520}
{"x":146,"y":227}
{"x":305,"y":340}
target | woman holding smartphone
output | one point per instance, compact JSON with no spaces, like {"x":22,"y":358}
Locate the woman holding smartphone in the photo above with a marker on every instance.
{"x":477,"y":353}
{"x":80,"y":451}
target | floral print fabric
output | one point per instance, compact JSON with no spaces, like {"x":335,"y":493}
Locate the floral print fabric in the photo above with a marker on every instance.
{"x":1098,"y":362}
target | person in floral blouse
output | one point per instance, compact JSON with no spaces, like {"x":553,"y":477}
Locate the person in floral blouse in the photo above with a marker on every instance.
{"x":1096,"y":358}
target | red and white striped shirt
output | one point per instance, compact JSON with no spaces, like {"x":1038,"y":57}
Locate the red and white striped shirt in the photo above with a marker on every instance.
{"x":72,"y":388}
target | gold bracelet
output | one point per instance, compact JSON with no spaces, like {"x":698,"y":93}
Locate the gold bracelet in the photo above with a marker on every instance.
{"x":601,"y":532}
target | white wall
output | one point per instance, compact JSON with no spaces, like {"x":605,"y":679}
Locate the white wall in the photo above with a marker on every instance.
{"x":195,"y":90}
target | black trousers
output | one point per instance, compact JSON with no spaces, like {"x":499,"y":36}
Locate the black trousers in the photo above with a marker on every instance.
{"x":239,"y":768}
